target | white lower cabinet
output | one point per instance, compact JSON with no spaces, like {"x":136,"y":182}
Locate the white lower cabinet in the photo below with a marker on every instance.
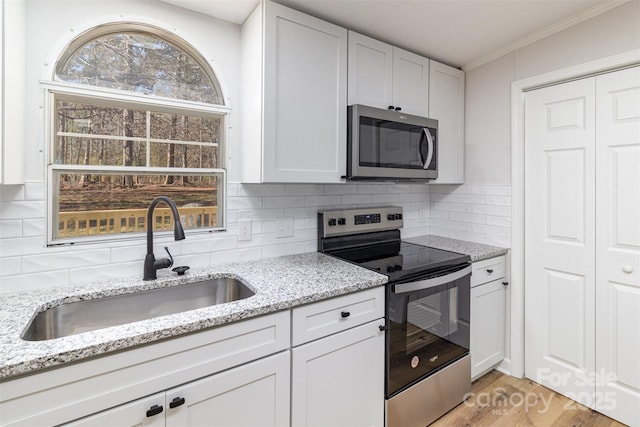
{"x":487,"y":315}
{"x":338,"y":380}
{"x":218,"y":400}
{"x":338,"y":361}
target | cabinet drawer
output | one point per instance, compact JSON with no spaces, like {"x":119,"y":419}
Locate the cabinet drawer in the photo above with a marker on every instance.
{"x":323,"y":318}
{"x":487,"y":270}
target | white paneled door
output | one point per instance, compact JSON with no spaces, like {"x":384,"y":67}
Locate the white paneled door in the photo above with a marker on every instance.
{"x":618,"y":245}
{"x":560,"y":237}
{"x":582,"y":241}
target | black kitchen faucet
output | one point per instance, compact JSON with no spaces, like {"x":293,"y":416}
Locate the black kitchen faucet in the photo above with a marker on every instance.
{"x":151,"y":264}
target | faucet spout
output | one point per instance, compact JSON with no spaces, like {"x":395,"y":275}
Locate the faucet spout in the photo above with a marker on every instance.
{"x":151,"y":265}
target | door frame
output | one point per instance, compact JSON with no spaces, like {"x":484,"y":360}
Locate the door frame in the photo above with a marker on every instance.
{"x":516,"y":363}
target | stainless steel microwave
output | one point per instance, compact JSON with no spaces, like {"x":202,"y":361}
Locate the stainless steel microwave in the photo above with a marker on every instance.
{"x":389,"y":145}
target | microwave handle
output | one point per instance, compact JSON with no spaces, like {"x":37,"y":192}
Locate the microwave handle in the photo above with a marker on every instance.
{"x":427,"y":162}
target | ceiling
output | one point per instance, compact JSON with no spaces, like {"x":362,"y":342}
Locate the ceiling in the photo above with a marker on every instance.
{"x":461,"y":33}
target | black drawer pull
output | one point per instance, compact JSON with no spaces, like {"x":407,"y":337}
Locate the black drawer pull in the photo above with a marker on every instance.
{"x":505,"y":283}
{"x":345,"y":314}
{"x":489,"y":271}
{"x":154,"y":410}
{"x":177,"y":401}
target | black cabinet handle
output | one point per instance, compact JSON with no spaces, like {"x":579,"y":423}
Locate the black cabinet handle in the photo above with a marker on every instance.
{"x":390,"y":107}
{"x":489,"y":271}
{"x":154,"y":410}
{"x":505,"y":283}
{"x":382,"y":328}
{"x":345,"y":314}
{"x":177,"y":401}
{"x":398,"y":108}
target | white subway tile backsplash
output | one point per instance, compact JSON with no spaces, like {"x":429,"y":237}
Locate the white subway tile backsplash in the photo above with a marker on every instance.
{"x":468,"y":199}
{"x":46,"y":262}
{"x":22,"y":209}
{"x":489,"y":210}
{"x":9,"y":266}
{"x":34,"y":191}
{"x":323,"y":201}
{"x":489,"y":230}
{"x":244,"y":203}
{"x":373,"y":188}
{"x":467,"y":217}
{"x":358,"y":199}
{"x":304,"y":189}
{"x":499,"y":200}
{"x":30,"y":282}
{"x":33,"y":227}
{"x":384,"y":199}
{"x":261,"y":190}
{"x":500,"y":221}
{"x":10,"y":228}
{"x":10,"y":193}
{"x":476,"y":213}
{"x":99,"y":273}
{"x":260,"y":214}
{"x":283,"y":202}
{"x":340,"y":189}
{"x":236,"y":255}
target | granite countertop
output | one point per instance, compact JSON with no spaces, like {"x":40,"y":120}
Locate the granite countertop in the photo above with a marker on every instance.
{"x":279,"y":284}
{"x":476,"y":251}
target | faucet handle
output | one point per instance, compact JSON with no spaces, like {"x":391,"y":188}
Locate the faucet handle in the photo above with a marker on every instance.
{"x":166,"y":248}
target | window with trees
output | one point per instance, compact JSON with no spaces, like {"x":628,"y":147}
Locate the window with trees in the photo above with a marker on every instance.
{"x":135,"y":113}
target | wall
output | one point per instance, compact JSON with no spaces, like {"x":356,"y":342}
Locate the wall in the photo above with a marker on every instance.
{"x":488,"y":95}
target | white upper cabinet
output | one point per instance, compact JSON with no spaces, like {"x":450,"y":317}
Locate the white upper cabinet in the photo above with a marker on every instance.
{"x":383,"y":76}
{"x":446,"y":104}
{"x":12,"y":90}
{"x":294,"y":92}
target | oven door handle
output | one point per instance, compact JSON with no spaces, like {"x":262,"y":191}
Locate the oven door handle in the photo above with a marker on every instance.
{"x":430,"y":283}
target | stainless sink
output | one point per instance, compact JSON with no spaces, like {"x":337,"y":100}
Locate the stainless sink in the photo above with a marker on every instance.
{"x":82,"y":316}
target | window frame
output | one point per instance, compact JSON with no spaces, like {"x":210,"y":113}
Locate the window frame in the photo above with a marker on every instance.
{"x":85,"y":93}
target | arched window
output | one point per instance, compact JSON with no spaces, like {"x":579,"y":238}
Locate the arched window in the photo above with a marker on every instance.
{"x":137,"y":113}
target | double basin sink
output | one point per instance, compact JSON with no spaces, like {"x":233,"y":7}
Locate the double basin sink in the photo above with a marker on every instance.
{"x":89,"y":315}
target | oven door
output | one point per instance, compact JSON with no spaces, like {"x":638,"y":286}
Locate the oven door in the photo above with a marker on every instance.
{"x":427,"y":327}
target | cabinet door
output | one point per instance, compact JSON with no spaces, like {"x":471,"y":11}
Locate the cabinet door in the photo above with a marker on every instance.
{"x":446,"y":104}
{"x":487,"y":326}
{"x":305,"y":92}
{"x":410,"y":82}
{"x":255,"y":394}
{"x":370,"y":71}
{"x":339,"y":380}
{"x":143,"y":412}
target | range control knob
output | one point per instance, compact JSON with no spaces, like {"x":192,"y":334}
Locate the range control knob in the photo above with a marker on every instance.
{"x":391,"y":217}
{"x":390,"y":269}
{"x":342,"y":221}
{"x":332,"y":222}
{"x":398,"y":216}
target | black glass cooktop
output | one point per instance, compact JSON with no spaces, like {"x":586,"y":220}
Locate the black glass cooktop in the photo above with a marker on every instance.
{"x":402,"y":260}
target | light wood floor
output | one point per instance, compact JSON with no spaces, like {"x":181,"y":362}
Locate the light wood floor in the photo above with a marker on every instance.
{"x":501,"y":400}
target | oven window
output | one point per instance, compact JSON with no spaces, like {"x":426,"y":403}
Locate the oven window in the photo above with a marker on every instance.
{"x":428,"y":329}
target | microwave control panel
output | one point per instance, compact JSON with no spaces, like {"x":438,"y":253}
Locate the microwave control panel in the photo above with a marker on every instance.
{"x":363,"y":220}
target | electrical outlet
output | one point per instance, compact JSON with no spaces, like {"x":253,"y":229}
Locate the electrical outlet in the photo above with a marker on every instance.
{"x":284,"y":227}
{"x":244,"y":229}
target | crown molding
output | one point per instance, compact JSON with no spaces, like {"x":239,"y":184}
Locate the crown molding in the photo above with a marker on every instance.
{"x":575,"y":19}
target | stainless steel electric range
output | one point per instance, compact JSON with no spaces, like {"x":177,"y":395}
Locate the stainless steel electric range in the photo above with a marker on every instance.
{"x":427,"y":364}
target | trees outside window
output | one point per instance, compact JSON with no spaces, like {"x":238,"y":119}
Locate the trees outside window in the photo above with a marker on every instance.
{"x":136,"y":113}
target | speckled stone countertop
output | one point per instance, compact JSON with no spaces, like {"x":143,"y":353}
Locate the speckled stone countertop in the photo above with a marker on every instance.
{"x":279,"y":283}
{"x":477,"y":251}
